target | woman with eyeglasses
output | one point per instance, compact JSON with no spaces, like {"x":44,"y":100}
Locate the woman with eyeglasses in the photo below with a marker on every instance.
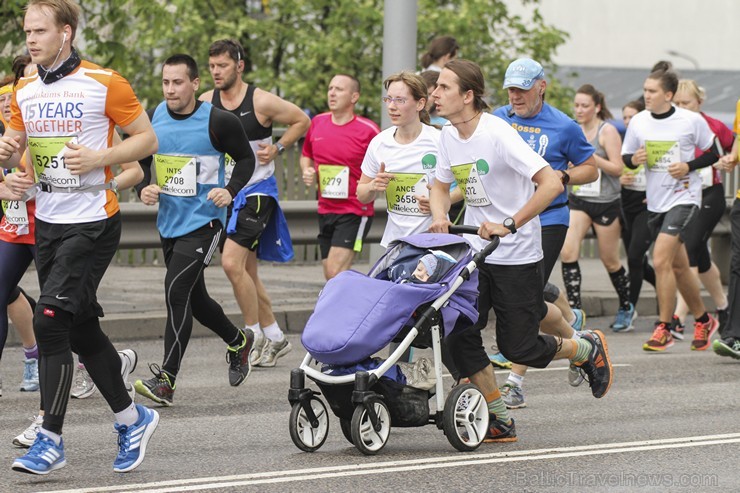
{"x":690,"y":96}
{"x":400,"y":161}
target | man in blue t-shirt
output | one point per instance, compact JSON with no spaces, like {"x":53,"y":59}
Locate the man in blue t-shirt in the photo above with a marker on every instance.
{"x":560,"y":141}
{"x":553,"y":135}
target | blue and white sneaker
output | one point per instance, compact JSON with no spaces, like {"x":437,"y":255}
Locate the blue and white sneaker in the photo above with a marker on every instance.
{"x":580,"y":322}
{"x":43,"y":457}
{"x":132,"y":439}
{"x":512,"y":395}
{"x":623,"y":322}
{"x":498,"y":360}
{"x":30,"y":382}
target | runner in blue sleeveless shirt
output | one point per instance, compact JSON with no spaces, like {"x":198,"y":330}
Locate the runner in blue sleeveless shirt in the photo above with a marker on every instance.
{"x":193,"y":138}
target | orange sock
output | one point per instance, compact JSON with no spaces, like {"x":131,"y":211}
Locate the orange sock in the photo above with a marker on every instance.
{"x":496,"y":394}
{"x":573,"y":351}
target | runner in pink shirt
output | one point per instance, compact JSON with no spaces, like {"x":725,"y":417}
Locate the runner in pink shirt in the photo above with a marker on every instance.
{"x":333,"y":152}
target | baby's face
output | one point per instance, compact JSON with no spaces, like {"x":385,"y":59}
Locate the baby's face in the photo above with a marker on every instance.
{"x":421,"y":272}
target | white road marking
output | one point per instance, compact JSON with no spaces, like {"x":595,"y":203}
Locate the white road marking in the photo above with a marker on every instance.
{"x":272,"y":477}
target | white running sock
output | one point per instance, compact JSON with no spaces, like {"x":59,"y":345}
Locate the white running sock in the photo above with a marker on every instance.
{"x":128,"y":416}
{"x":273,"y":332}
{"x":254,"y":328}
{"x":517,"y":380}
{"x":54,"y":436}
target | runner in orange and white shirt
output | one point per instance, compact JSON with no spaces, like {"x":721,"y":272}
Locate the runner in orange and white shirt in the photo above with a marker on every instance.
{"x":66,"y":116}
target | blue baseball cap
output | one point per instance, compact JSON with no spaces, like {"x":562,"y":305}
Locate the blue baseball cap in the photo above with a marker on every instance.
{"x":522,"y":73}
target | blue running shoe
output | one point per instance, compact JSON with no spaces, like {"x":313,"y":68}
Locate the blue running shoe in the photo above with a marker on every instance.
{"x":498,"y":360}
{"x":132,"y":439}
{"x":623,"y":320}
{"x":580,"y":322}
{"x":43,"y":457}
{"x":30,"y":382}
{"x":513,"y":396}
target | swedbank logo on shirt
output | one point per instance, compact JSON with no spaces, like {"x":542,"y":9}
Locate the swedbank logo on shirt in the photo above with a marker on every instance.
{"x":429,"y":161}
{"x":482,"y":167}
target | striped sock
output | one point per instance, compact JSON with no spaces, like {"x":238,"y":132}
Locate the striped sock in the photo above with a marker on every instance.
{"x":583,"y":348}
{"x":496,"y":406}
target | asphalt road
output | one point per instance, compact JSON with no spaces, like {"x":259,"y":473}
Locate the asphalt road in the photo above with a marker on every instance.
{"x":669,"y":423}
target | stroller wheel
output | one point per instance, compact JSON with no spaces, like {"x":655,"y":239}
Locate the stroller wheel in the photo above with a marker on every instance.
{"x":305,"y":436}
{"x":465,"y":417}
{"x":366,"y":438}
{"x":346,"y":425}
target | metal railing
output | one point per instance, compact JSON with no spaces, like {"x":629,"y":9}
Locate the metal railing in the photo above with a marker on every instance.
{"x":140,"y":240}
{"x":139,"y":228}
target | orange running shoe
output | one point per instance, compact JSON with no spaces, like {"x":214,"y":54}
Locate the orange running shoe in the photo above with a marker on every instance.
{"x":661,"y":338}
{"x":597,"y":368}
{"x":703,"y":333}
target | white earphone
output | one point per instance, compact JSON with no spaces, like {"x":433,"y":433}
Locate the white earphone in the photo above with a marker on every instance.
{"x":64,"y":38}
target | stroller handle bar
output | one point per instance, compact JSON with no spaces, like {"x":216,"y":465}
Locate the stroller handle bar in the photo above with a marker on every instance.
{"x":456,"y":229}
{"x":479,"y":257}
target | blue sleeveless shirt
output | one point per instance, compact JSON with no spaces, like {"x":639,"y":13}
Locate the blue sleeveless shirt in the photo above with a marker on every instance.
{"x":178,"y":215}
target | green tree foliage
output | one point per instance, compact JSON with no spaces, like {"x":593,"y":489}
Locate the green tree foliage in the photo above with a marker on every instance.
{"x":294,"y":46}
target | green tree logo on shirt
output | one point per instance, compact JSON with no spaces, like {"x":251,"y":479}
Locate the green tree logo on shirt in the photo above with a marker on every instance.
{"x":429,"y":161}
{"x":482,"y":166}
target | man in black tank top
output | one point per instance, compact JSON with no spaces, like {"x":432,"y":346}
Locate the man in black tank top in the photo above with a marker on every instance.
{"x":245,"y":112}
{"x":257,"y":110}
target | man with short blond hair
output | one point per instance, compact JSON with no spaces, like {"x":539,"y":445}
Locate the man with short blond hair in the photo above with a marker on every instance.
{"x":78,"y":221}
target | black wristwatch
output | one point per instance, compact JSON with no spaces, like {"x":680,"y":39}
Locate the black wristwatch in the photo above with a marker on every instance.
{"x":510,"y":224}
{"x":280,"y":148}
{"x":565,"y":178}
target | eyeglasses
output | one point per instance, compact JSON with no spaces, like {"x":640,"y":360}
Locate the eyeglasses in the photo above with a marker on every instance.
{"x":397,"y":101}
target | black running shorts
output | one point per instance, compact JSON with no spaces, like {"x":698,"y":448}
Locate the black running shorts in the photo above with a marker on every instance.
{"x":342,"y":230}
{"x":252,"y":220}
{"x":675,"y":222}
{"x":199,"y":244}
{"x":601,"y":213}
{"x":72,"y":259}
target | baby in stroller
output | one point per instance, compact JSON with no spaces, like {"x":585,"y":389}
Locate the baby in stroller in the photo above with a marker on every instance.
{"x":432,"y":266}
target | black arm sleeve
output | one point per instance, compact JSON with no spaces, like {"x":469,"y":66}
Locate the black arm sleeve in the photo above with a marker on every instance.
{"x":703,"y":161}
{"x":146,"y":165}
{"x":228,"y":136}
{"x":709,"y":157}
{"x":627,"y":159}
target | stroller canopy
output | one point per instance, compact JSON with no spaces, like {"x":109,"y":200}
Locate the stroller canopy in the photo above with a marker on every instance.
{"x":357,"y":315}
